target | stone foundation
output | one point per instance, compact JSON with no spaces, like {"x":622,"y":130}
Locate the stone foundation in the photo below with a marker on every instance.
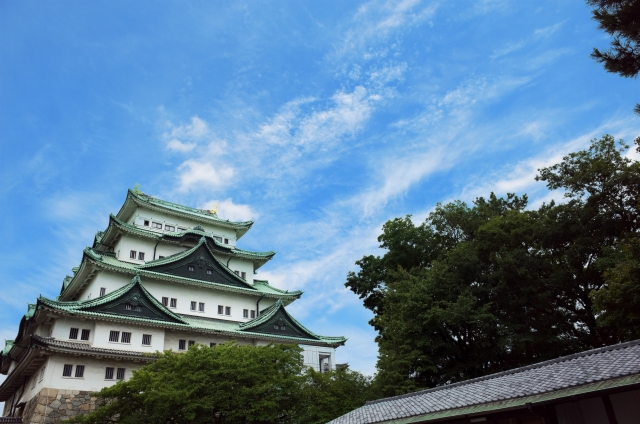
{"x":52,"y":406}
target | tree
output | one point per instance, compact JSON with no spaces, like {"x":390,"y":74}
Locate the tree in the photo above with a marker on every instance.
{"x":230,"y":384}
{"x":492,"y":286}
{"x":621,"y":20}
{"x":223,"y":384}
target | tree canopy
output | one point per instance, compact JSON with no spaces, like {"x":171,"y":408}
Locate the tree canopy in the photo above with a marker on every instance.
{"x":621,"y":20}
{"x":230,"y":384}
{"x":480,"y":288}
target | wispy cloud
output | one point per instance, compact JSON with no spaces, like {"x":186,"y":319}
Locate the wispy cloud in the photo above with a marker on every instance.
{"x":227,"y":209}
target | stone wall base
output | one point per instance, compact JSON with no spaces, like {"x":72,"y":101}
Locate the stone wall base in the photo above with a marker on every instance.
{"x":53,"y":406}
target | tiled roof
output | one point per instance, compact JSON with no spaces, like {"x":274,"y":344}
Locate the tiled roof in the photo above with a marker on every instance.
{"x":588,"y":370}
{"x":50,"y":342}
{"x":202,"y":215}
{"x":108,"y":261}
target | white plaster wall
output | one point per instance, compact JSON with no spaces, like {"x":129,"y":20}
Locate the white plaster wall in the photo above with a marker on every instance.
{"x":94,"y":373}
{"x":30,"y":391}
{"x":127,"y":243}
{"x":241,"y":264}
{"x":109,"y":280}
{"x":311,"y":355}
{"x":61,"y":327}
{"x":103,"y":329}
{"x":141,"y":214}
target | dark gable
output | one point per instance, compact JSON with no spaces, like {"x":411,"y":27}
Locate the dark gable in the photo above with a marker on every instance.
{"x":281,"y":325}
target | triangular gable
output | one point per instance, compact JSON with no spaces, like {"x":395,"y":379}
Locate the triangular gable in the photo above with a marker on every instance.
{"x":132,"y":300}
{"x":198,"y":264}
{"x":275,"y":320}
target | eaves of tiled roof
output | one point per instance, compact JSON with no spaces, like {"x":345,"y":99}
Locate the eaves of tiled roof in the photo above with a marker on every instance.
{"x":584,"y":372}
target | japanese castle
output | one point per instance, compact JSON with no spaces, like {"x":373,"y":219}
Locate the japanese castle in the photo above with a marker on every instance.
{"x":161,"y":276}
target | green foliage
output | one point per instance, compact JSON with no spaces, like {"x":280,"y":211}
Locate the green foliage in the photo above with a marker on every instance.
{"x":230,"y":384}
{"x":621,"y":20}
{"x":492,"y":286}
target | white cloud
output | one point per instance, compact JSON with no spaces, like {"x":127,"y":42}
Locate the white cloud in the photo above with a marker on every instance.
{"x":231,"y":211}
{"x":178,"y":146}
{"x":184,"y":138}
{"x":194,"y":174}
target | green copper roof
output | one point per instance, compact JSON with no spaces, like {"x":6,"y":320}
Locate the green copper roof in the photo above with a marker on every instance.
{"x":201,"y":215}
{"x":108,"y":261}
{"x":8,"y":344}
{"x":87,"y":308}
{"x":259,"y":258}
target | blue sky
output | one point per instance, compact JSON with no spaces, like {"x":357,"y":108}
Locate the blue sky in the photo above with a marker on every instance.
{"x":318,"y":120}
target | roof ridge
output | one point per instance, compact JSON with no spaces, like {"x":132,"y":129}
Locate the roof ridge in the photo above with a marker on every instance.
{"x":513,"y":371}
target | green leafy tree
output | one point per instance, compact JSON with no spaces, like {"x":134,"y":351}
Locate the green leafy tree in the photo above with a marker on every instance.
{"x":621,"y":20}
{"x":223,"y":384}
{"x":492,"y":286}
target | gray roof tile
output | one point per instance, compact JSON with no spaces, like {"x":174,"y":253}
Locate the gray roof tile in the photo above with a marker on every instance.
{"x":569,"y":371}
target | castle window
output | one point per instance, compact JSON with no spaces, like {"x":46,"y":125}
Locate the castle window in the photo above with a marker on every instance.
{"x":157,"y":225}
{"x":226,"y":241}
{"x":191,"y":268}
{"x":174,"y":303}
{"x":42,"y":373}
{"x":130,"y":307}
{"x":191,"y":342}
{"x":103,"y":291}
{"x":212,"y":344}
{"x":126,"y":337}
{"x":66,"y":371}
{"x":132,"y":254}
{"x":73,"y":333}
{"x":79,"y":371}
{"x":182,"y":344}
{"x":108,"y":375}
{"x":85,"y":334}
{"x":114,"y":336}
{"x":245,"y":313}
{"x":209,"y":272}
{"x":141,"y":256}
{"x":218,"y":239}
{"x":165,"y":301}
{"x":170,"y":228}
{"x":243,"y":275}
{"x":146,"y":223}
{"x":193,"y":306}
{"x":253,"y":314}
{"x":146,"y":339}
{"x":227,"y":310}
{"x":120,"y":374}
{"x":220,"y":310}
{"x":201,"y":307}
{"x":237,"y":273}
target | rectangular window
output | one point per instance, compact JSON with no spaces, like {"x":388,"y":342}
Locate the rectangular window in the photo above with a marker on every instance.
{"x":201,"y":307}
{"x":85,"y":334}
{"x":33,"y":382}
{"x":174,"y":303}
{"x":253,"y":314}
{"x":218,"y":239}
{"x":141,"y":256}
{"x":169,"y":228}
{"x":132,"y":254}
{"x":73,"y":333}
{"x":126,"y":337}
{"x":66,"y":371}
{"x":243,"y":275}
{"x":114,"y":336}
{"x":220,"y":310}
{"x":42,"y":373}
{"x":193,"y":306}
{"x":108,"y":374}
{"x":237,"y":273}
{"x":145,"y":223}
{"x":103,"y":291}
{"x":226,"y":241}
{"x":128,"y":306}
{"x":182,"y":344}
{"x":227,"y":310}
{"x":209,"y":272}
{"x":245,"y":313}
{"x":79,"y":371}
{"x":120,"y":374}
{"x":146,"y":339}
{"x":157,"y":225}
{"x":165,"y":301}
{"x":212,"y":344}
{"x":191,"y":342}
{"x":191,"y":268}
